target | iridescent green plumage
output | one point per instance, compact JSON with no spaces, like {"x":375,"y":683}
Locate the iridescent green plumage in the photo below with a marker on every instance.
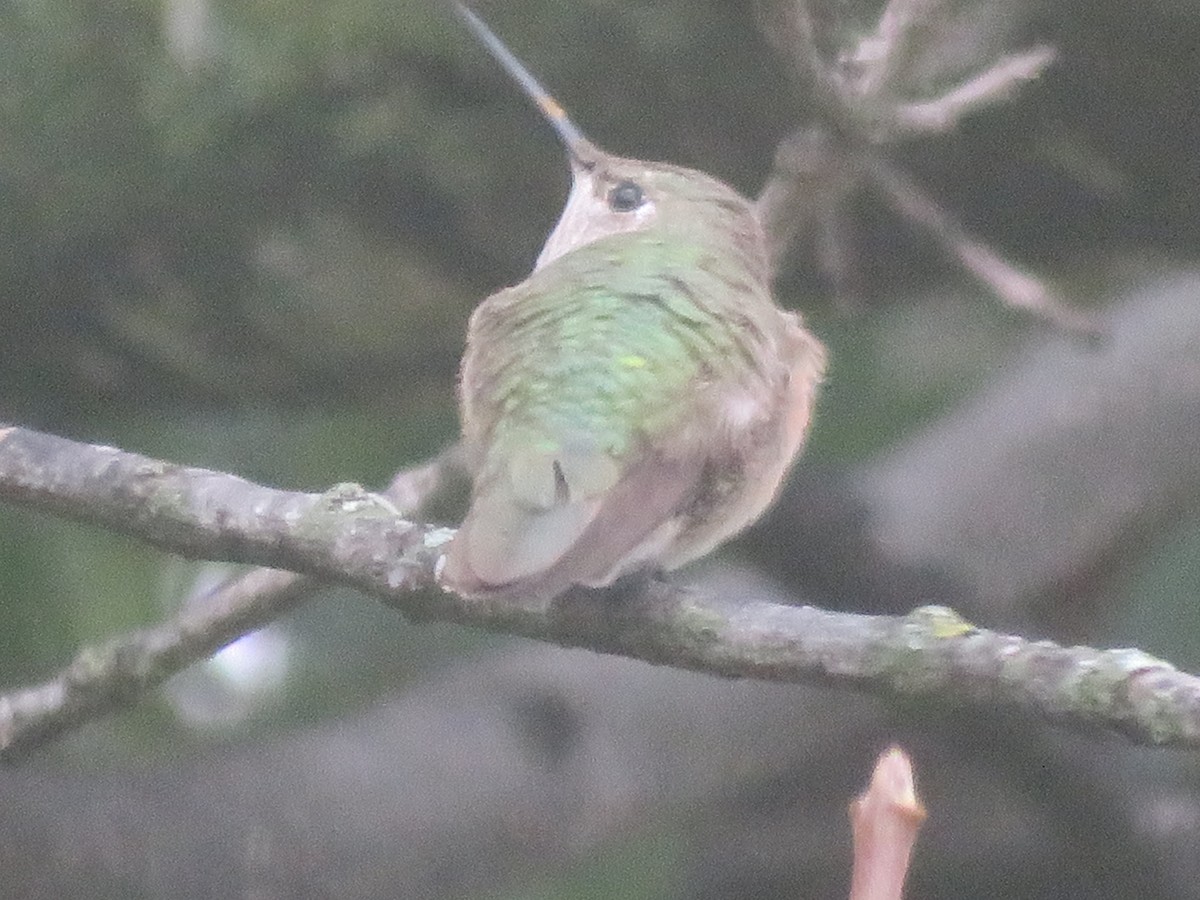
{"x":639,"y":397}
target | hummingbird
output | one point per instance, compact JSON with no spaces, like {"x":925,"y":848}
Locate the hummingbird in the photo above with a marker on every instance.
{"x":639,"y":397}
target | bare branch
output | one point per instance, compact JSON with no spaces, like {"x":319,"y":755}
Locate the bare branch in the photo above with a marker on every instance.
{"x":863,"y":98}
{"x":880,"y":54}
{"x":351,"y":537}
{"x":811,"y":177}
{"x":105,"y":677}
{"x":994,"y":85}
{"x":1015,"y":287}
{"x":788,"y":26}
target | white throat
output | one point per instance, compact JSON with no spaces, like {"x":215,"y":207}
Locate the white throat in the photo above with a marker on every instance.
{"x":587,"y":218}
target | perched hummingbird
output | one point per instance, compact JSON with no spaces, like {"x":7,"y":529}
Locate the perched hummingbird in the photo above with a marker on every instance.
{"x":639,"y":397}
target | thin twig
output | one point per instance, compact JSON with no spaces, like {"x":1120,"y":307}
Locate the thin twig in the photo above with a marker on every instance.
{"x":789,"y":27}
{"x":994,"y":85}
{"x":880,"y":55}
{"x":1015,"y":287}
{"x":810,"y":179}
{"x":105,"y":677}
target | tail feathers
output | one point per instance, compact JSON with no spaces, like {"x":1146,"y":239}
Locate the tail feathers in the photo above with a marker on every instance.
{"x":506,"y":549}
{"x":501,"y":544}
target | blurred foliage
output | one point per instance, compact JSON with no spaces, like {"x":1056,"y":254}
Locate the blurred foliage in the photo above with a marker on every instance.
{"x":247,"y":234}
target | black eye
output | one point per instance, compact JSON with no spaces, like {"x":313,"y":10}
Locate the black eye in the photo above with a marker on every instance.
{"x":625,"y":197}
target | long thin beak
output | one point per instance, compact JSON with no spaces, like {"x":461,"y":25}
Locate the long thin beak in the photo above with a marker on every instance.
{"x":581,"y":150}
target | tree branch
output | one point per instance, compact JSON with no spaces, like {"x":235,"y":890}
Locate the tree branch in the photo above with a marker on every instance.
{"x":103,"y":678}
{"x":993,"y":85}
{"x":1015,"y":287}
{"x":349,"y":536}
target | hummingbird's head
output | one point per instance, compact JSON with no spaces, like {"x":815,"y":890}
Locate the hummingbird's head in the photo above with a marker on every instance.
{"x":610,"y":194}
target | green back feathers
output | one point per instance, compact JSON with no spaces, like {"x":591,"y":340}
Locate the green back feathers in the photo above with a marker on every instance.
{"x":599,"y":340}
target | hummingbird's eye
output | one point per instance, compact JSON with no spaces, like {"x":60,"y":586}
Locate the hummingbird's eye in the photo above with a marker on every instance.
{"x":625,"y":197}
